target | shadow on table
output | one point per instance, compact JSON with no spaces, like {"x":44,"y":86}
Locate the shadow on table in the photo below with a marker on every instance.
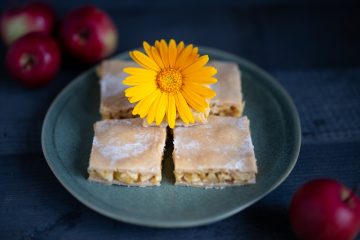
{"x":271,"y":220}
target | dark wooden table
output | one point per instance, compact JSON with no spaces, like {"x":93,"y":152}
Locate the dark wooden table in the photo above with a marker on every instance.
{"x":313,"y":49}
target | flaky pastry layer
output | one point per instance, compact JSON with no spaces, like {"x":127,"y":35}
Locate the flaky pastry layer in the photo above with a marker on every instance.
{"x":214,"y":178}
{"x":124,"y":177}
{"x":123,"y":114}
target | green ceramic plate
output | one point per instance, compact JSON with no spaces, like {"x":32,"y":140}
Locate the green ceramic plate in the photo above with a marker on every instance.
{"x":67,"y":136}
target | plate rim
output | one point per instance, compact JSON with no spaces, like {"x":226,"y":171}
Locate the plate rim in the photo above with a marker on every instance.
{"x":294,"y":153}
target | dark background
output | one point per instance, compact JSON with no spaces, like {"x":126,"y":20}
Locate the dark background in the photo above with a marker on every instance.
{"x":311,"y":47}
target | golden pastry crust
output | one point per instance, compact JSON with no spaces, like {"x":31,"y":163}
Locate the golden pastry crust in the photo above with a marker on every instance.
{"x":124,"y":152}
{"x":221,"y":148}
{"x":228,"y":100}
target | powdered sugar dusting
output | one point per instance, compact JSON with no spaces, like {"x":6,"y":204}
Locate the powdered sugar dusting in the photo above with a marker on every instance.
{"x":186,"y":145}
{"x":104,"y":125}
{"x":225,"y":144}
{"x":112,"y":85}
{"x":114,"y":148}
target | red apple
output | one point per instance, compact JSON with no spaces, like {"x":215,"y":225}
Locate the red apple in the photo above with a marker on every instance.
{"x":34,"y":59}
{"x":88,"y":34}
{"x":325,"y":209}
{"x":18,"y":21}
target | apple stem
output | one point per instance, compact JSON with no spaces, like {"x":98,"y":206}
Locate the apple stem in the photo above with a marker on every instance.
{"x":353,"y":191}
{"x":27,"y":61}
{"x":84,"y":34}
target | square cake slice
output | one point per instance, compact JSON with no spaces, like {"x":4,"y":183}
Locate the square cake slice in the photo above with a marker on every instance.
{"x":228,"y":100}
{"x":125,"y":153}
{"x":217,"y":154}
{"x":113,"y":103}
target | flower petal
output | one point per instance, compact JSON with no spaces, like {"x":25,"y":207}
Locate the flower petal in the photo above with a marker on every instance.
{"x":183,"y":56}
{"x":171,"y":111}
{"x":161,"y":108}
{"x":180,"y":47}
{"x":164,"y":53}
{"x":198,"y":64}
{"x":203,"y":91}
{"x":183,"y":109}
{"x":144,"y":60}
{"x":194,"y":100}
{"x":206,"y":71}
{"x":200,"y":80}
{"x":139,"y":92}
{"x":172,"y":53}
{"x":146,"y":103}
{"x":157,"y":45}
{"x":194,"y":54}
{"x":191,"y":59}
{"x":156,"y":56}
{"x":138,"y":80}
{"x":139,"y":71}
{"x":147,"y":48}
{"x":152,"y":110}
{"x":135,"y":111}
{"x":140,"y":105}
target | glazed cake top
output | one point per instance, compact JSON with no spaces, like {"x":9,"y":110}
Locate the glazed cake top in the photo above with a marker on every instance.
{"x":224,"y":143}
{"x":228,"y":87}
{"x":114,"y":67}
{"x":126,"y":145}
{"x":111,"y":87}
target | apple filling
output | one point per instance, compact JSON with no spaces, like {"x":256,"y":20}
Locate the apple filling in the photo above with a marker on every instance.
{"x":213,"y":177}
{"x":201,"y":117}
{"x":226,"y":110}
{"x":125,"y":177}
{"x":127,"y":113}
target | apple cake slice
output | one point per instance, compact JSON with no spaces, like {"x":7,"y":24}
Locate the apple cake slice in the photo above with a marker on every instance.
{"x":113,"y":102}
{"x":125,"y":153}
{"x":228,"y":100}
{"x":217,"y":154}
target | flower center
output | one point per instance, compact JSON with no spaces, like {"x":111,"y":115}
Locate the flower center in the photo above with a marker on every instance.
{"x":169,"y":80}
